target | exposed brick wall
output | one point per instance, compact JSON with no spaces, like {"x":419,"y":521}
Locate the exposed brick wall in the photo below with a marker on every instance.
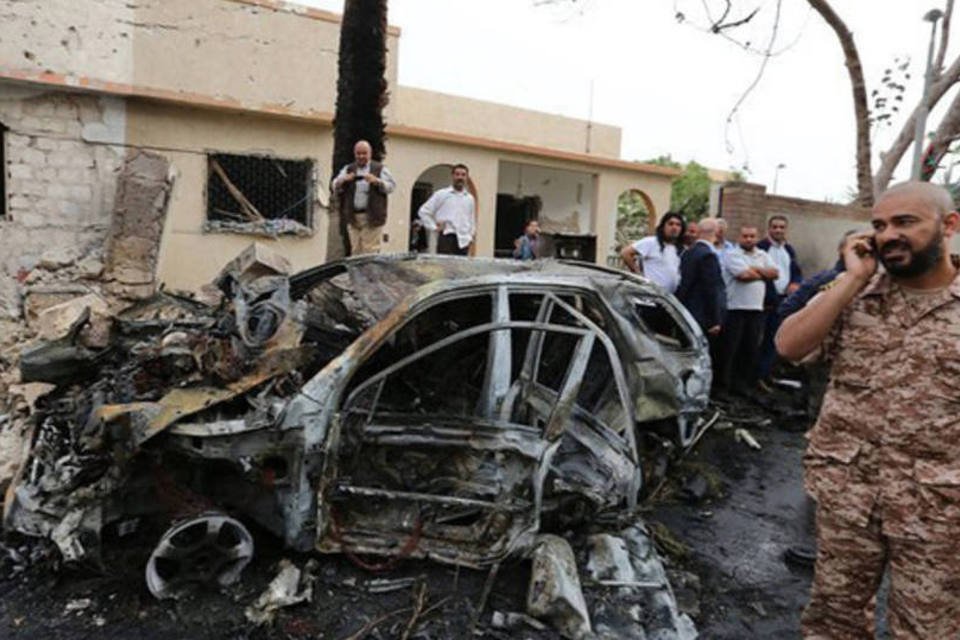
{"x":815,"y":227}
{"x":61,"y":179}
{"x":747,"y":203}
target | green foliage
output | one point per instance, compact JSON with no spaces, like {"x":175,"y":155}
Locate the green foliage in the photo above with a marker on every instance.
{"x":690,"y":194}
{"x":666,"y":161}
{"x":632,"y":218}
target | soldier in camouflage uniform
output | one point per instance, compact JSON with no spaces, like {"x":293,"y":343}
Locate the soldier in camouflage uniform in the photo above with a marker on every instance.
{"x":883,"y":461}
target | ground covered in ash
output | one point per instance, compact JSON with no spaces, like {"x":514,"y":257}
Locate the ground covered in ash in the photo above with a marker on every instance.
{"x":723,"y":524}
{"x":731,"y":571}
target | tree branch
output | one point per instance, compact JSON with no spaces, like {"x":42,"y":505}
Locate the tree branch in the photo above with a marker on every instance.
{"x":891,"y":159}
{"x":859,"y":86}
{"x":948,"y":129}
{"x":944,"y":40}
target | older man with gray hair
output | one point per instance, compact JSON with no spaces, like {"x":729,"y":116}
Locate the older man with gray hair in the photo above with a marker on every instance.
{"x":363,"y":186}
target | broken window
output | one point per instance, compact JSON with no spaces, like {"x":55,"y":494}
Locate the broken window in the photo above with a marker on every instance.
{"x":259,"y":194}
{"x":661,"y":323}
{"x":441,"y":427}
{"x":427,"y":327}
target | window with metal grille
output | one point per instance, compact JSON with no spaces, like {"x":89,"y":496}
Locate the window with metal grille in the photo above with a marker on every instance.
{"x":251,"y":194}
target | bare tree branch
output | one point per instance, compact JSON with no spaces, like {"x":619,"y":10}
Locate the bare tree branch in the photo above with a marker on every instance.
{"x":891,"y":159}
{"x":759,"y":76}
{"x":859,"y":86}
{"x":944,"y":39}
{"x":717,"y":28}
{"x":948,"y":130}
{"x":726,"y":12}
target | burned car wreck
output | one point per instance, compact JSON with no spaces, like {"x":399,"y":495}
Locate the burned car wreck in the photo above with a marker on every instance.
{"x":399,"y":406}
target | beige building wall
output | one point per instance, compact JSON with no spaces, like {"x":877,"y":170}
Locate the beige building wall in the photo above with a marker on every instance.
{"x":261,"y":55}
{"x":409,"y":157}
{"x":190,"y":257}
{"x":614,"y":182}
{"x":187,"y":77}
{"x":454,"y":114}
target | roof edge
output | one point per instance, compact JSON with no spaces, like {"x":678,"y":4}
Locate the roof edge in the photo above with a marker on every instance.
{"x":87,"y":84}
{"x":286,"y":6}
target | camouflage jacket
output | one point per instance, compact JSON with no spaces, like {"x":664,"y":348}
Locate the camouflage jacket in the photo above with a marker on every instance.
{"x":888,"y":435}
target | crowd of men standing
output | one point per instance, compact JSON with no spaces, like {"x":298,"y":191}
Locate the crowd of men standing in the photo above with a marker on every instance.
{"x":733,"y":290}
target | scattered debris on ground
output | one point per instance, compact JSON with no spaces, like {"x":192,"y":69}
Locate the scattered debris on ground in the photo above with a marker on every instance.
{"x":387,"y":409}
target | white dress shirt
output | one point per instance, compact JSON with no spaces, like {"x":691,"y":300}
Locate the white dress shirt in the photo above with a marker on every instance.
{"x":745,"y":296}
{"x":450,"y":212}
{"x":781,"y":259}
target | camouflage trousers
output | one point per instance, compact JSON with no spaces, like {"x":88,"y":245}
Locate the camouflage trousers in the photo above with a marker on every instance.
{"x":924,"y":600}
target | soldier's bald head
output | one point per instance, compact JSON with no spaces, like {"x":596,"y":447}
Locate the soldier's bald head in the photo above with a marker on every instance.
{"x":932,"y":195}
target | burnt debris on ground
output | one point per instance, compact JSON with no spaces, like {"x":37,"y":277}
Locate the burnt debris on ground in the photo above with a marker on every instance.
{"x":389,"y":409}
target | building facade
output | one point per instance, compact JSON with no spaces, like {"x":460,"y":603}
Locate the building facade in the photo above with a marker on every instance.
{"x":238,"y":97}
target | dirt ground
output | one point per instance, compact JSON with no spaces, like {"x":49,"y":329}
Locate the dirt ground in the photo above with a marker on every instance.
{"x":728,"y":569}
{"x":737,"y":538}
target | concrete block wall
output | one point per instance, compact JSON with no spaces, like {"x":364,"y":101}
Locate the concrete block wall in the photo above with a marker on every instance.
{"x":62,"y":155}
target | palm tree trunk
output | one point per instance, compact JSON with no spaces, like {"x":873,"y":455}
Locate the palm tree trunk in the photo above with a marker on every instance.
{"x":361,"y":97}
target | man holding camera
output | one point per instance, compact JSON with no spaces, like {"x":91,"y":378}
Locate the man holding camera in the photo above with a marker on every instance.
{"x":883,"y":461}
{"x":363,"y":187}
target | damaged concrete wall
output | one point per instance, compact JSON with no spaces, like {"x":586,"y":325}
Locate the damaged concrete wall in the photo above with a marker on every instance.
{"x":188,"y":50}
{"x":133,"y":248}
{"x":189,"y":255}
{"x":62,"y":154}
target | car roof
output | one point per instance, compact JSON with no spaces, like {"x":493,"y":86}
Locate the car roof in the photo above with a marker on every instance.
{"x":422,"y":268}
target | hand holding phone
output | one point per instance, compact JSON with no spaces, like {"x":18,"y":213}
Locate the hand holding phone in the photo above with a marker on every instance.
{"x":860,"y":255}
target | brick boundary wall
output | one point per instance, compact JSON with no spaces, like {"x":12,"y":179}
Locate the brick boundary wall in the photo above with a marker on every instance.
{"x":745,"y":202}
{"x":815,"y":227}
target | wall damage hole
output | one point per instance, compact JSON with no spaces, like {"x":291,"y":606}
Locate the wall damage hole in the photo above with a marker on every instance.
{"x":259,"y":194}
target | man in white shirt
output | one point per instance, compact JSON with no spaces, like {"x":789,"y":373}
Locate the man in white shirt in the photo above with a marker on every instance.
{"x":363,"y":186}
{"x":746,"y":270}
{"x":790,"y":276}
{"x":451,"y":212}
{"x":658,"y":257}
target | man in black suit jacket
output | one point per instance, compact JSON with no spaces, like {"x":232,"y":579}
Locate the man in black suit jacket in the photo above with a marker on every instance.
{"x":701,"y":288}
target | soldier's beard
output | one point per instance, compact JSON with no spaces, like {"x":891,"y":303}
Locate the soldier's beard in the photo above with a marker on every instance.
{"x":920,"y":262}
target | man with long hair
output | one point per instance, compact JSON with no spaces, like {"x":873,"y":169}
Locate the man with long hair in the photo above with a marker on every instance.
{"x":658,"y":256}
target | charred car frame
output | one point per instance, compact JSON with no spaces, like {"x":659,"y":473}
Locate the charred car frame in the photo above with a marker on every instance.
{"x":417,"y":406}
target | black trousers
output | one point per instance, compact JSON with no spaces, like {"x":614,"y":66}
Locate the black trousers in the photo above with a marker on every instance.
{"x":768,"y":352}
{"x":741,"y":349}
{"x":448,"y":244}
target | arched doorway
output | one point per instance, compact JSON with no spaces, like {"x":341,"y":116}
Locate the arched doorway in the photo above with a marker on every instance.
{"x":636,"y":217}
{"x":429,"y":180}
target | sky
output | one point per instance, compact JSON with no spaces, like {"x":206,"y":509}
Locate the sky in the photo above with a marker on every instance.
{"x":670,"y":85}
